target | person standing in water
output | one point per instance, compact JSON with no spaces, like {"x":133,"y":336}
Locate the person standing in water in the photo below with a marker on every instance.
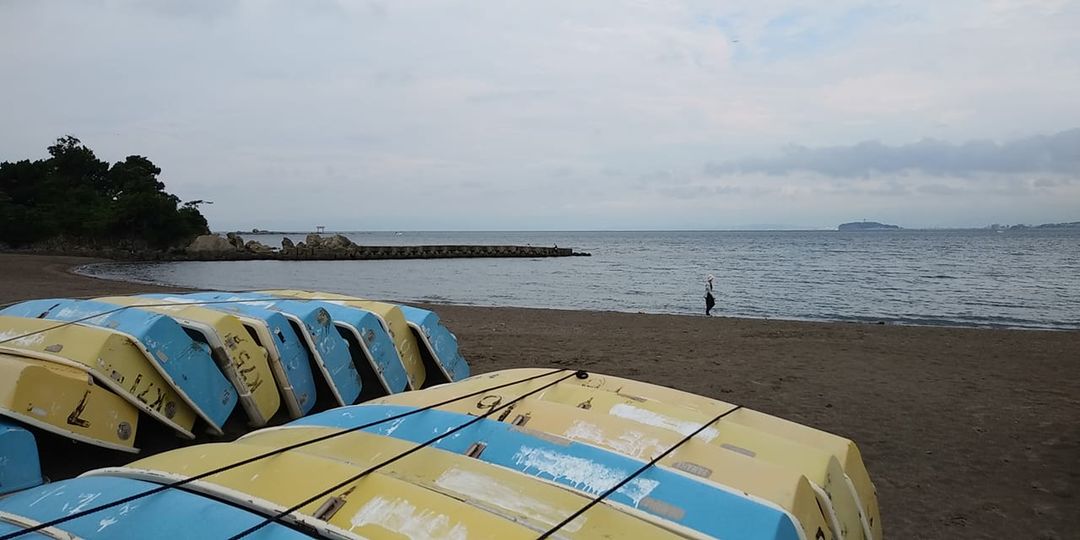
{"x":710,"y":300}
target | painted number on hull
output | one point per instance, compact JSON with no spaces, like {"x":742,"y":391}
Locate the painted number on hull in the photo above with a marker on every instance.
{"x":248,"y":374}
{"x":74,"y":418}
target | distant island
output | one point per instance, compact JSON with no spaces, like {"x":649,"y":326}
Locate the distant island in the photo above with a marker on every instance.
{"x":866,"y":226}
{"x":1069,"y":225}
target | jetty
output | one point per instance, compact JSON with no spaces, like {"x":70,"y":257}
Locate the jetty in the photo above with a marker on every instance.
{"x":315,"y":247}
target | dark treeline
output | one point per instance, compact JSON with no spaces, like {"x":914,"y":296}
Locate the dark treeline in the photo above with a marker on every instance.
{"x":74,"y":199}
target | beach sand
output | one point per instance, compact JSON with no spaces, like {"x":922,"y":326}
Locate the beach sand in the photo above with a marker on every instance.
{"x":967,"y":433}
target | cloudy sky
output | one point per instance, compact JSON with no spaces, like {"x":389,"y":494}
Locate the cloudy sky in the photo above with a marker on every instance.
{"x":596,"y":114}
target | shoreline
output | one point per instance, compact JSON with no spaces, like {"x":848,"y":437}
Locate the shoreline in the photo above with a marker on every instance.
{"x":75,"y":270}
{"x":967,"y":432}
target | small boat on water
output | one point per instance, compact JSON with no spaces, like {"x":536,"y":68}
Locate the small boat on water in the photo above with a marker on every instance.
{"x":65,"y":401}
{"x":19,"y":465}
{"x":242,"y":361}
{"x":184,"y":363}
{"x":392,"y":319}
{"x":112,"y":359}
{"x":288,"y":356}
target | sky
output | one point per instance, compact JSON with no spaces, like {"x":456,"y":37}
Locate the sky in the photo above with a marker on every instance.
{"x":564,"y":115}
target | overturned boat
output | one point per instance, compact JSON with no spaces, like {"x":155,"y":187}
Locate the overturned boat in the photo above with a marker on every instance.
{"x":243,"y":362}
{"x":289,"y":358}
{"x":183,"y":362}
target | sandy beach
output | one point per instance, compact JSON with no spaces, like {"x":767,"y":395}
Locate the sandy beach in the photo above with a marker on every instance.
{"x":967,"y":433}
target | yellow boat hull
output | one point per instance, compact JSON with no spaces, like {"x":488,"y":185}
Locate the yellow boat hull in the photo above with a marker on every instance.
{"x":244,"y":363}
{"x":822,"y":469}
{"x":377,"y":506}
{"x":393,"y":319}
{"x":112,"y":358}
{"x":846,"y":451}
{"x":780,"y":484}
{"x":65,"y":401}
{"x":287,"y":393}
{"x":528,"y":500}
{"x":674,"y":409}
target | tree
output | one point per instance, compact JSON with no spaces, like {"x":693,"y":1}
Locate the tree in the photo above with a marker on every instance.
{"x":74,"y":196}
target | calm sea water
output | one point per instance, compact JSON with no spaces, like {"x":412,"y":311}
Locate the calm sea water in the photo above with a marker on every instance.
{"x":1027,"y":279}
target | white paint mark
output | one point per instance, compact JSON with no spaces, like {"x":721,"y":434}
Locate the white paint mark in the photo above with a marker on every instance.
{"x":105,"y":523}
{"x":647,"y":417}
{"x":629,"y":443}
{"x":58,"y":491}
{"x":254,"y":477}
{"x":491,"y":491}
{"x":84,"y":499}
{"x":583,"y":474}
{"x":36,"y":338}
{"x":402,"y":517}
{"x":388,"y":431}
{"x":38,"y":411}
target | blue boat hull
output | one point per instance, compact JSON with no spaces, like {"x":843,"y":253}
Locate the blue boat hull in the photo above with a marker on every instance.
{"x":170,"y":514}
{"x":19,"y":465}
{"x":294,"y":358}
{"x":439,"y":341}
{"x":706,"y":508}
{"x":378,"y":348}
{"x":324,"y":343}
{"x":189,"y":364}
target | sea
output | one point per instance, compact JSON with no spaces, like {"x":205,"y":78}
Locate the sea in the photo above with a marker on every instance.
{"x":1015,"y":278}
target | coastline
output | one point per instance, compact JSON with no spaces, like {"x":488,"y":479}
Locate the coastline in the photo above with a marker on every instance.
{"x":967,"y":432}
{"x":895,"y":321}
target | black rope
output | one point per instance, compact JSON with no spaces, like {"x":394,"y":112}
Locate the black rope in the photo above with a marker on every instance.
{"x":271,"y":453}
{"x":373,"y":468}
{"x":635,"y":474}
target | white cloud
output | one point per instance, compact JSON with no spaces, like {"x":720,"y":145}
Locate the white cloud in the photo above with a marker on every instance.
{"x":509,"y":115}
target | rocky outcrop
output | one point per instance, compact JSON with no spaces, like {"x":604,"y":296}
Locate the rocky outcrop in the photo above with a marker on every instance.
{"x":338,"y":243}
{"x":235,"y":240}
{"x":211,"y":243}
{"x":257,"y":247}
{"x":213,"y":247}
{"x":231,"y":243}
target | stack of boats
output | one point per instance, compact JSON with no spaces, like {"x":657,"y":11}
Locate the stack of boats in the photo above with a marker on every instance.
{"x":524,"y":453}
{"x":91,"y":370}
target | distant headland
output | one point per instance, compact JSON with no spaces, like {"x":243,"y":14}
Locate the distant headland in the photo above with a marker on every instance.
{"x":1069,"y":225}
{"x":866,"y":226}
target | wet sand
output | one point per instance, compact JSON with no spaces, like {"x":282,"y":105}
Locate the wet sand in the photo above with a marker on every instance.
{"x":968,"y":433}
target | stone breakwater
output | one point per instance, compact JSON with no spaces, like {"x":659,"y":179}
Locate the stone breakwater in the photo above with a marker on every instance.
{"x":337,"y":247}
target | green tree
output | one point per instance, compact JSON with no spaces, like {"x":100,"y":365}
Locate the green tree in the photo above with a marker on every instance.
{"x":72,"y":195}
